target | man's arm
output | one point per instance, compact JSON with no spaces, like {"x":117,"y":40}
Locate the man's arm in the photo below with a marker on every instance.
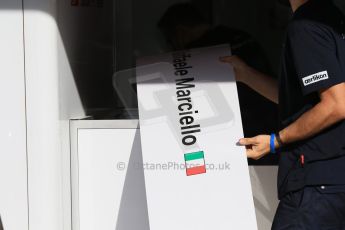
{"x":265,"y":85}
{"x":330,"y":110}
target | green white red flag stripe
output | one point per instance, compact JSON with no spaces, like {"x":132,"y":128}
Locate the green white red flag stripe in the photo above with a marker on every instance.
{"x":195,"y":163}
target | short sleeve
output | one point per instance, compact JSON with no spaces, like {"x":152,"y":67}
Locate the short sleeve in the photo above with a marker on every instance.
{"x":314,"y":56}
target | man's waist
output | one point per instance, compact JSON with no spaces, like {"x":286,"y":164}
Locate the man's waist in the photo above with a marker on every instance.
{"x":322,"y":172}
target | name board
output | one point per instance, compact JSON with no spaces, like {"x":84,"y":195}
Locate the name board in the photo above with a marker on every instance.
{"x":196,"y":176}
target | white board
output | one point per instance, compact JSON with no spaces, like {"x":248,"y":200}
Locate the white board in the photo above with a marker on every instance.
{"x":193,"y":199}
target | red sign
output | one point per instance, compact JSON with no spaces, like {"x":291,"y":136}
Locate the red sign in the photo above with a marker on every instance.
{"x":75,"y":2}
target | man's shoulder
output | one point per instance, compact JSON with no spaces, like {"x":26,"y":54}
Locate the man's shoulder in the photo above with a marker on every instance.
{"x":323,"y":18}
{"x":311,"y":28}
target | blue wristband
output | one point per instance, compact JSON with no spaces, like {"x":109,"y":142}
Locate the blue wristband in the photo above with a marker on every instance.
{"x":272,"y":145}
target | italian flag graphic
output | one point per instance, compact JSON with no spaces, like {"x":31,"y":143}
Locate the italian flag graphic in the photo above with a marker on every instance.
{"x":195,"y":163}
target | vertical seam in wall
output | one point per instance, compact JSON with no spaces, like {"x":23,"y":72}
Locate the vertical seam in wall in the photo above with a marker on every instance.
{"x":70,"y":172}
{"x":26,"y":121}
{"x":77,"y":182}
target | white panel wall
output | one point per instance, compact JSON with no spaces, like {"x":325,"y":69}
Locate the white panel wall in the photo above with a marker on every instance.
{"x":13,"y":170}
{"x":108,"y":181}
{"x":264,"y":186}
{"x":51,"y":101}
{"x":112,"y":187}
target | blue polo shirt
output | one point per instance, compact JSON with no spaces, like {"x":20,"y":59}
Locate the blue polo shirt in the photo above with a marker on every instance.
{"x":313,"y":59}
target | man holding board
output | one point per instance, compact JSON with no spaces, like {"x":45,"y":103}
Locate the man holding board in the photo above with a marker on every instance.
{"x":311,"y":97}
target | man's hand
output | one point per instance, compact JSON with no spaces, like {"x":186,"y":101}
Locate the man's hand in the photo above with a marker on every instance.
{"x":257,"y":147}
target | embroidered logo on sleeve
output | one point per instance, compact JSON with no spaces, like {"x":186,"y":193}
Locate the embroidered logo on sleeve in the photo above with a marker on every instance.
{"x":311,"y":79}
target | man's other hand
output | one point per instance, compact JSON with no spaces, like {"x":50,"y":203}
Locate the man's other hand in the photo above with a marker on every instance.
{"x":240,"y":67}
{"x":265,"y":85}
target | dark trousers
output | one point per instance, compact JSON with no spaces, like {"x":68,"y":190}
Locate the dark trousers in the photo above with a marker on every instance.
{"x":312,"y":208}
